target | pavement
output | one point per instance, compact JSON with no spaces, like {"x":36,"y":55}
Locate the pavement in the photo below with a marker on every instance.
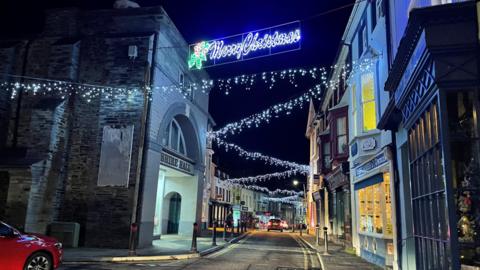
{"x":169,"y":247}
{"x":259,"y":250}
{"x":338,"y":259}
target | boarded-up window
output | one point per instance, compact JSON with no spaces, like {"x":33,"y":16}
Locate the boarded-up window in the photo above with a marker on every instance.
{"x":115,"y":156}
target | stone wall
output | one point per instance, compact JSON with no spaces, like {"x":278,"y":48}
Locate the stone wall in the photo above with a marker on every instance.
{"x":63,"y":134}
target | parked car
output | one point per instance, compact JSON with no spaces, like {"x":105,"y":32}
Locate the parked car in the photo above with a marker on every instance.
{"x":28,"y":251}
{"x":275,"y":224}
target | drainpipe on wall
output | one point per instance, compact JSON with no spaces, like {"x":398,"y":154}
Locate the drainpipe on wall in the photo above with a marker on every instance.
{"x":20,"y":95}
{"x":142,"y":156}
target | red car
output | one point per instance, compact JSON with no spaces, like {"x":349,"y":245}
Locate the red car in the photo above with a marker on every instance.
{"x":275,"y":224}
{"x":20,"y":251}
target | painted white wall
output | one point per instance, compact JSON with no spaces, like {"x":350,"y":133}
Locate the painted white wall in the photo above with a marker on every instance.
{"x":187,"y":187}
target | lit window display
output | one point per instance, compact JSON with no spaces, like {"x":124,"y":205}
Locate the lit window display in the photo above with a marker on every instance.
{"x":373,"y":209}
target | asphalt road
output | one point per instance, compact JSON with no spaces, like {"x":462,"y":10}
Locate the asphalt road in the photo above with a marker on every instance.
{"x":257,"y":251}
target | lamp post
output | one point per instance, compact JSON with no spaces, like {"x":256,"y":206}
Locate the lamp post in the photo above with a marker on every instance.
{"x":295,"y":183}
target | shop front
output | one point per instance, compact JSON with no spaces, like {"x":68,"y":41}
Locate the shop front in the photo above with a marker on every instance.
{"x":339,"y":185}
{"x":373,"y":206}
{"x":435,"y":84}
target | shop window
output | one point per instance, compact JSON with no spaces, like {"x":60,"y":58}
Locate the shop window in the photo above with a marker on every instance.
{"x":342,"y":145}
{"x":373,"y":204}
{"x":462,"y":110}
{"x":368,"y":103}
{"x":427,"y":182}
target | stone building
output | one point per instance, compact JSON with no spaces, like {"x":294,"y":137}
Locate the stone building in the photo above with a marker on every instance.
{"x":109,"y":160}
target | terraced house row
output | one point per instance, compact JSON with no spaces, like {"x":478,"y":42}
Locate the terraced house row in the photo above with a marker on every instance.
{"x":394,"y":150}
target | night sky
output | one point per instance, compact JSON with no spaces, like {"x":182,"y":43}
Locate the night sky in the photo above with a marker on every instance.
{"x":284,"y":137}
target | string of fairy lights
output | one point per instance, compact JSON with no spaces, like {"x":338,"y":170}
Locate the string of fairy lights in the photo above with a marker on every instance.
{"x":318,"y":75}
{"x":266,"y":177}
{"x":304,"y":169}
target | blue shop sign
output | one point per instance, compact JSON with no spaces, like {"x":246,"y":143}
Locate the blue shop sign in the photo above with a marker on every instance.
{"x":370,"y":165}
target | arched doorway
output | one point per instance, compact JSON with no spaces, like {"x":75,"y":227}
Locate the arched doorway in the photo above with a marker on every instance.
{"x":174,"y":213}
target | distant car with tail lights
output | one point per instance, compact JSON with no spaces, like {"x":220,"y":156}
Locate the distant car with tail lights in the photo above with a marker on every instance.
{"x":275,"y":224}
{"x":28,"y":251}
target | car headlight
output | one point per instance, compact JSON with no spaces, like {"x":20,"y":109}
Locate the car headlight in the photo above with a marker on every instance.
{"x":58,"y":245}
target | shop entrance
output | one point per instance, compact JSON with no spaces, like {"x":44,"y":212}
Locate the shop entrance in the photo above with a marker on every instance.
{"x":174,"y":213}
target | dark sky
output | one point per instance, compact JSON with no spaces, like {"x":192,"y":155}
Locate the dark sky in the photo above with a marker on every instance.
{"x":202,"y":20}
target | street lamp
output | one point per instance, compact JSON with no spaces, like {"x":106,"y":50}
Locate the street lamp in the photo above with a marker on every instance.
{"x":295,"y":183}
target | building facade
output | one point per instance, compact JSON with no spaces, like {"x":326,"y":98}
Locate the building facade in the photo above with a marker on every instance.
{"x":371,"y":168}
{"x":104,"y":162}
{"x":433,"y":85}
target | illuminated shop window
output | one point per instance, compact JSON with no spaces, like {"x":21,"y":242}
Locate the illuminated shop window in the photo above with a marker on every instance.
{"x":374,"y":204}
{"x":368,"y":103}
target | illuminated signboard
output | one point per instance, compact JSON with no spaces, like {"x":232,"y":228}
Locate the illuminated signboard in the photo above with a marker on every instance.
{"x":260,"y":43}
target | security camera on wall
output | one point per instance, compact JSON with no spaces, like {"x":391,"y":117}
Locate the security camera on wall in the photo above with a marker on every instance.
{"x":120,"y":4}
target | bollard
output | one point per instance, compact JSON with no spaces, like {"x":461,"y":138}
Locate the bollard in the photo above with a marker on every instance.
{"x":301,"y":229}
{"x":317,"y":235}
{"x":224,"y":231}
{"x":238,"y":226}
{"x":325,"y":239}
{"x":293,"y":228}
{"x":214,"y":235}
{"x":194,"y":238}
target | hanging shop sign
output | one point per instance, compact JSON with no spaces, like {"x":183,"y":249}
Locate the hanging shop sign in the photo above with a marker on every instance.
{"x":174,"y":162}
{"x":260,"y":43}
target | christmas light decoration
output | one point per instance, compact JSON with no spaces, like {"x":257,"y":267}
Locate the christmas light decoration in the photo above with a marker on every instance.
{"x":272,"y":193}
{"x":265,"y":177}
{"x":265,"y":116}
{"x":260,"y":43}
{"x":199,"y":55}
{"x":63,"y":89}
{"x":290,"y":199}
{"x":304,"y":169}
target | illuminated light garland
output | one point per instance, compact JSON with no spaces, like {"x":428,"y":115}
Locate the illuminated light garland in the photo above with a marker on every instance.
{"x":266,"y":115}
{"x":286,"y":107}
{"x":304,"y":169}
{"x":272,"y":193}
{"x":265,"y":177}
{"x":63,"y":89}
{"x":290,"y":199}
{"x":248,"y":80}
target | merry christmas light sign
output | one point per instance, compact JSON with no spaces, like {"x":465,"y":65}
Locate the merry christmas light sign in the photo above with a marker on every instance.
{"x":260,"y":43}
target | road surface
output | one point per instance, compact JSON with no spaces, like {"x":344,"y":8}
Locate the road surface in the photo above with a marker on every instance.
{"x":258,"y":251}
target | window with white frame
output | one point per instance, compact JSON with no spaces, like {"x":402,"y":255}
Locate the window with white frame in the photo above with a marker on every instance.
{"x":175,"y":138}
{"x":342,"y":144}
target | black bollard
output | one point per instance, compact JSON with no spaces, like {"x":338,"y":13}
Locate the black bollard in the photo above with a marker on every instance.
{"x":194,"y":238}
{"x":224,"y":231}
{"x":325,"y":239}
{"x":238,"y":226}
{"x":301,"y":229}
{"x":214,"y":235}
